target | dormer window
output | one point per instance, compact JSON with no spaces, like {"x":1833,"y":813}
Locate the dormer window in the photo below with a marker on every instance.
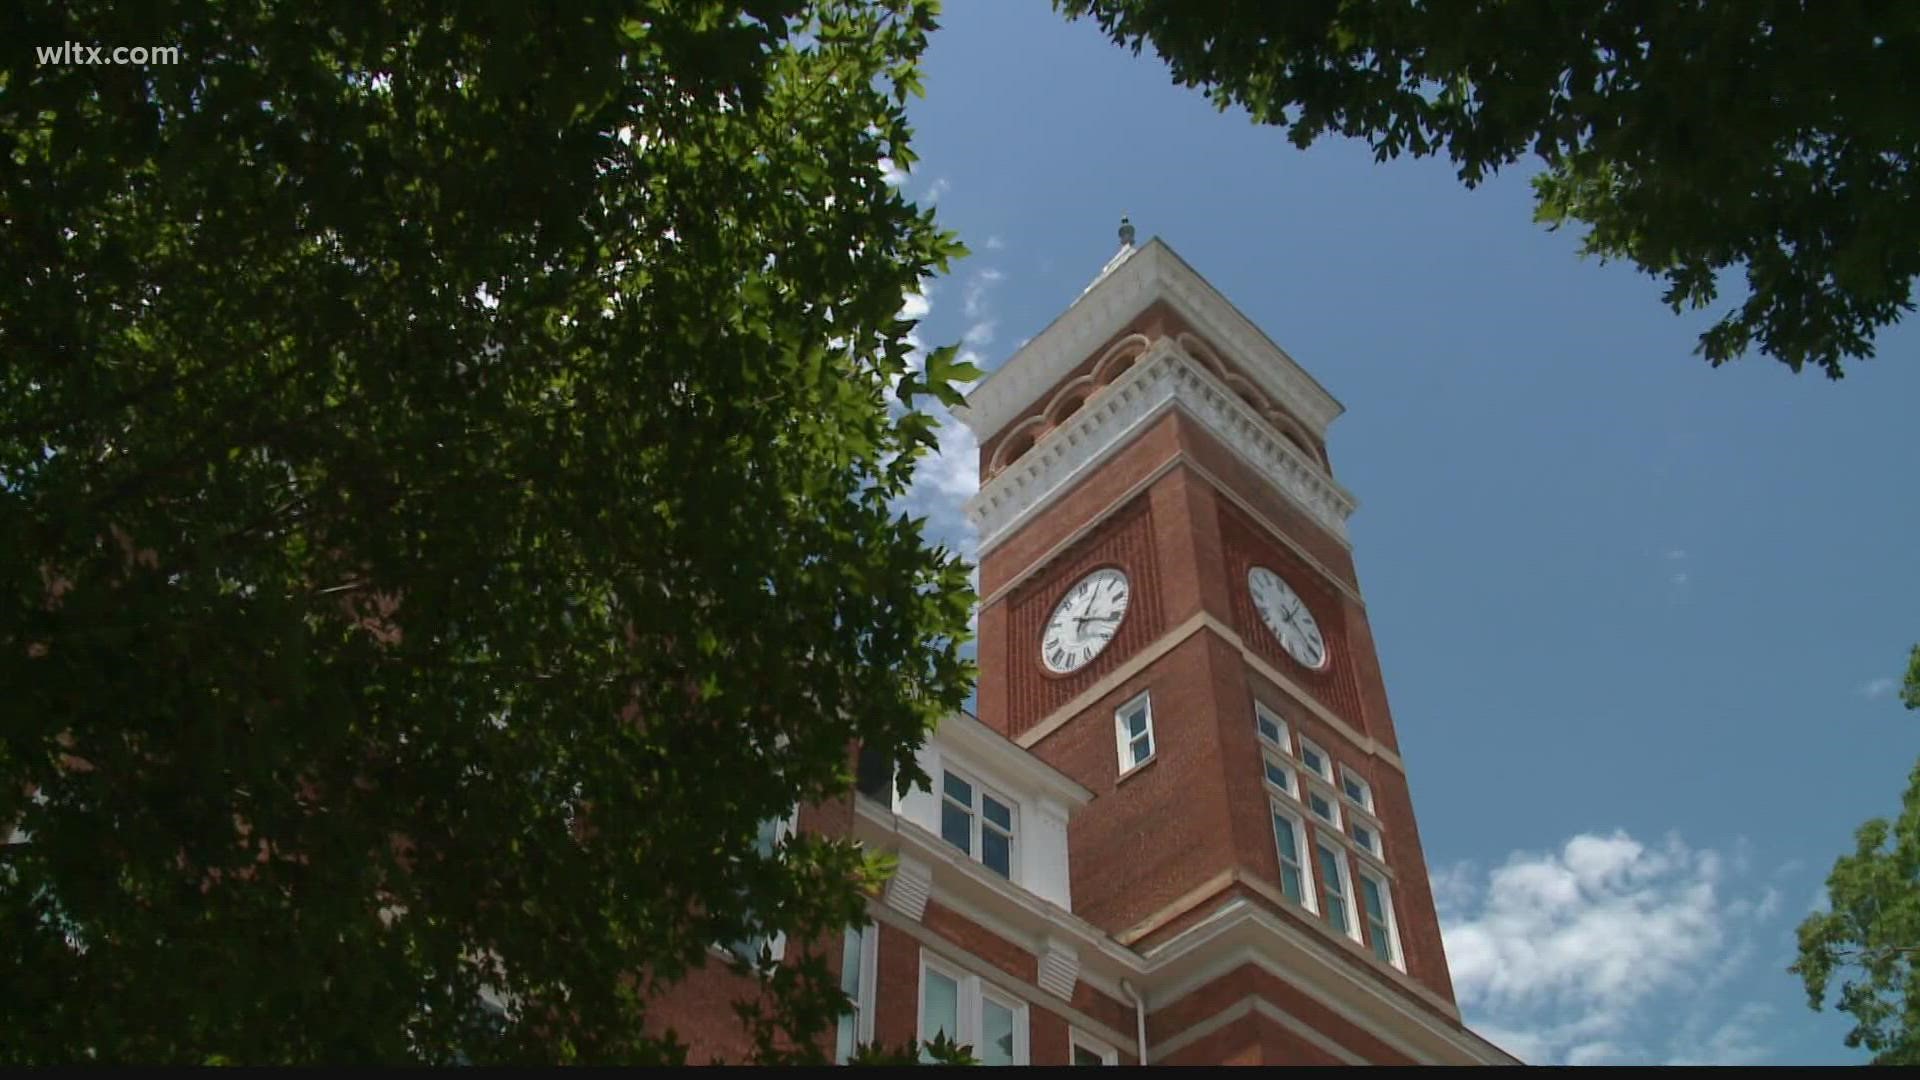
{"x":977,"y":821}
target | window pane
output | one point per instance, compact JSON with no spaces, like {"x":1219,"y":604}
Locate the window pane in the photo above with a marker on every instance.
{"x":942,"y":1007}
{"x":959,"y":790}
{"x":1370,"y":895}
{"x":1366,"y":838}
{"x":850,"y":964}
{"x":1356,"y":791}
{"x":1268,"y":729}
{"x":1137,"y":722}
{"x":996,"y":851}
{"x":956,"y":827}
{"x":1283,"y":834}
{"x":997,"y":812}
{"x":843,"y":1039}
{"x":996,"y":1033}
{"x":1314,"y":760}
{"x":1278,"y":775}
{"x":1141,"y":748}
{"x":1290,"y":883}
{"x":1337,"y":912}
{"x":1320,"y":805}
{"x":768,"y":837}
{"x":1084,"y":1056}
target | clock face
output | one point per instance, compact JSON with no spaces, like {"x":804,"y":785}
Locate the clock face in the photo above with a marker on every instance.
{"x":1287,"y":616}
{"x":1085,"y":621}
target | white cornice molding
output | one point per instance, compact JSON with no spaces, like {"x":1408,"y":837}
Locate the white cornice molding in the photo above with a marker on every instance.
{"x":1164,"y":377}
{"x":1059,"y":967}
{"x":997,"y":754}
{"x":1236,"y":934}
{"x":1154,"y":272}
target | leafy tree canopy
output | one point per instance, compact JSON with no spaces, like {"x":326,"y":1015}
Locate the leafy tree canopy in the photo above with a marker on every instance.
{"x":1689,"y":138}
{"x":445,"y":449}
{"x":1871,"y":932}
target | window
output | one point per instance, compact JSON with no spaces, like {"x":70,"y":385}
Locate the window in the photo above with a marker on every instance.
{"x":1357,"y":789}
{"x":1323,"y":806}
{"x":972,"y":1014}
{"x":857,"y":975}
{"x":1133,"y":732}
{"x":978,"y":822}
{"x":1377,"y":904}
{"x":1316,"y":759}
{"x":1087,"y":1051}
{"x":1334,"y":889}
{"x":766,"y":844}
{"x":1368,"y":839}
{"x":1290,"y":840}
{"x":1271,"y":727}
{"x":1280,"y":775}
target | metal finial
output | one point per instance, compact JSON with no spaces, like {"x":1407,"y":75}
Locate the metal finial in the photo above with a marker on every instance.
{"x":1126,"y":231}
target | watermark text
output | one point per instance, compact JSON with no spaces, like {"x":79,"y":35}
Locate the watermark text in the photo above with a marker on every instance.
{"x":74,"y":53}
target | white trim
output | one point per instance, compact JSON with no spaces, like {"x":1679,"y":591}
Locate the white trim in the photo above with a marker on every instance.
{"x":1262,"y":712}
{"x":1331,"y":818}
{"x":1247,"y":1006}
{"x":1302,"y":850}
{"x":977,"y":823}
{"x":1271,"y":760}
{"x":1326,"y":760}
{"x":1123,"y":732}
{"x":1166,"y":377}
{"x":1348,"y":776}
{"x":1078,"y":1040}
{"x":1152,"y":272}
{"x":970,"y":997}
{"x":1344,"y":873}
{"x":994,"y":753}
{"x":865,"y":988}
{"x":1368,"y":873}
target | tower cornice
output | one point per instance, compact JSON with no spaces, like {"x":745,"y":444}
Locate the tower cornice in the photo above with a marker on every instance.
{"x":1142,"y":276}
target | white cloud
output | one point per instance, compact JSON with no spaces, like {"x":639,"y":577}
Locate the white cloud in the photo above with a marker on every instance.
{"x":916,"y":305}
{"x":1876,"y":688}
{"x":937,"y":189}
{"x":1594,"y":952}
{"x":994,"y":243}
{"x":981,"y":333}
{"x":891,"y":173}
{"x":974,"y":297}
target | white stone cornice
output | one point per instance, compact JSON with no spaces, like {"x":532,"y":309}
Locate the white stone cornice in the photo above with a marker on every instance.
{"x":1166,"y":376}
{"x":1153,"y":272}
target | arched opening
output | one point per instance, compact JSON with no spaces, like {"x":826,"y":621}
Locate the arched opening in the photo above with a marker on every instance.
{"x":1067,"y":408}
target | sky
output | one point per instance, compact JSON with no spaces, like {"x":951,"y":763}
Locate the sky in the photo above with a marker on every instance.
{"x":1642,"y":620}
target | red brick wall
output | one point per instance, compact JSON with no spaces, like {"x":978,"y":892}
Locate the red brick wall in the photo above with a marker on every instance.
{"x":1236,"y":985}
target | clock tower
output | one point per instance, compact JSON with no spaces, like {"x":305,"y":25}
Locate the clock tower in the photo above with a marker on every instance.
{"x":1170,"y":616}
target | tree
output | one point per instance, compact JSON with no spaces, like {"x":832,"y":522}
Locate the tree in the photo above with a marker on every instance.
{"x":1689,"y":138}
{"x":447,"y":484}
{"x":1871,"y":932}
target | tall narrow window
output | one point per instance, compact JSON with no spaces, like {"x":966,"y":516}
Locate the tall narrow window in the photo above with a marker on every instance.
{"x":766,"y":843}
{"x":857,"y":972}
{"x":1090,"y":1051}
{"x":1378,"y":906}
{"x":999,"y":1030}
{"x":1334,"y":891}
{"x":1289,"y":840}
{"x":978,"y":822}
{"x":939,"y":1005}
{"x":1133,"y":732}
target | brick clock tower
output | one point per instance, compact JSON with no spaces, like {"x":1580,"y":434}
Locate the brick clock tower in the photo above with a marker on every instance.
{"x":1171,"y":618}
{"x":1178,"y":832}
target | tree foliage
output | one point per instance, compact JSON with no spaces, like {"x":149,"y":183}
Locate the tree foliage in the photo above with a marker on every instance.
{"x":1689,"y":138}
{"x":1870,"y":934}
{"x":447,"y":471}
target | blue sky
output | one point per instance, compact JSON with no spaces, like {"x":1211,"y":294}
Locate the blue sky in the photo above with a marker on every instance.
{"x":1641,"y":619}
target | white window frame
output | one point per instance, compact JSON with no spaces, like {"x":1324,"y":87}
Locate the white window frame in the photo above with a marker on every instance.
{"x":1379,"y":848}
{"x":1333,"y":806}
{"x":865,"y":997}
{"x":1270,"y":762}
{"x":971,"y":994}
{"x":1379,"y":880}
{"x":1303,"y":845}
{"x":1260,"y":713}
{"x":1076,"y":1040}
{"x":977,"y":822}
{"x":1348,"y":776}
{"x":1123,"y":736}
{"x":784,"y":828}
{"x":1350,"y":900}
{"x":1309,"y":747}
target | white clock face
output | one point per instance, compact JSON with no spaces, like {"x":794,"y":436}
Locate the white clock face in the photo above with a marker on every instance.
{"x":1085,"y":621}
{"x":1287,"y":616}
